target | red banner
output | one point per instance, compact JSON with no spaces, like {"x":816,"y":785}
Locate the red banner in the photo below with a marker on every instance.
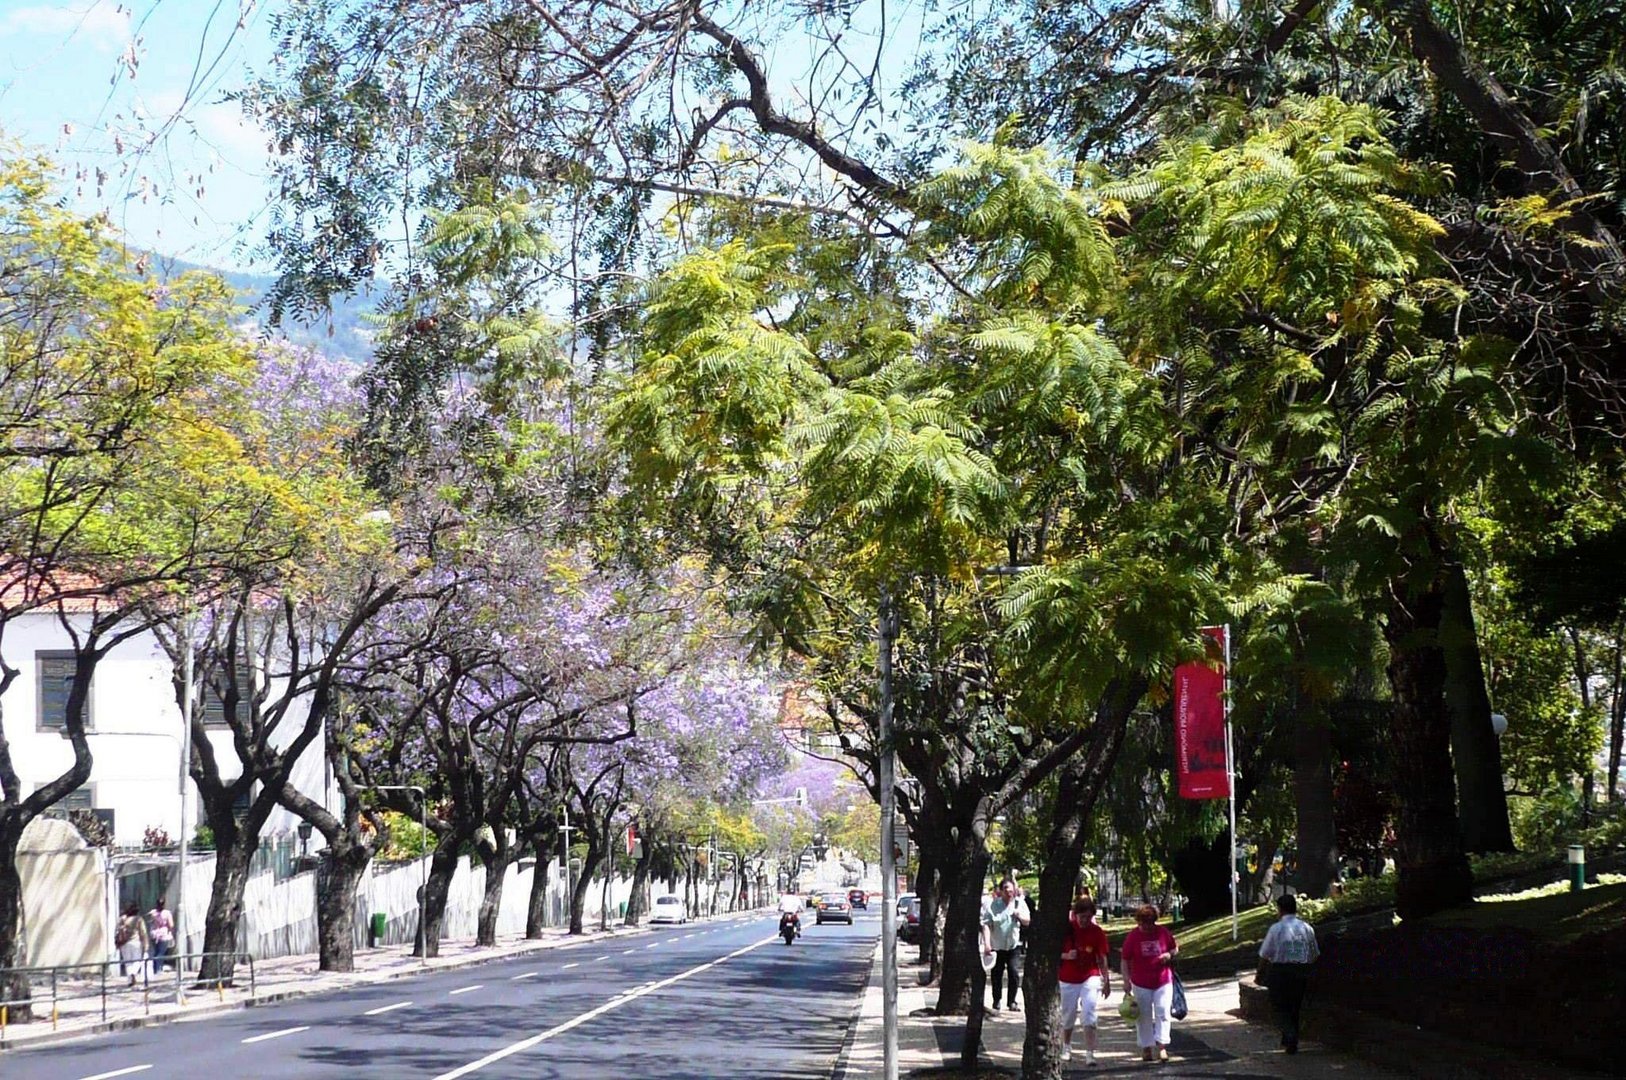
{"x":1199,"y":723}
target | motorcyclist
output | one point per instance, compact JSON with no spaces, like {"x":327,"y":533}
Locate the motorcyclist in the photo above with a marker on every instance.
{"x":790,"y":907}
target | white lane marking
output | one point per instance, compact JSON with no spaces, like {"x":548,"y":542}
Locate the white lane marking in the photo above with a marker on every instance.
{"x":652,"y":944}
{"x":119,"y":1072}
{"x":614,"y":1003}
{"x":628,"y":952}
{"x":382,"y":1009}
{"x":567,"y":967}
{"x":686,"y":937}
{"x":466,"y":989}
{"x":517,"y":978}
{"x":277,"y":1034}
{"x":606,"y":956}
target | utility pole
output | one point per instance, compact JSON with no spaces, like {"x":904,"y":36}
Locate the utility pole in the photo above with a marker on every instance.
{"x":885,"y":768}
{"x":188,"y":677}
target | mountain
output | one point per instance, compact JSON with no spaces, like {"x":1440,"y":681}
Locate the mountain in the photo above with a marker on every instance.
{"x":346,"y":334}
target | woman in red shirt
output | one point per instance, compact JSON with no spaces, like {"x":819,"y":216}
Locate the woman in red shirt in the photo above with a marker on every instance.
{"x":1082,"y":974}
{"x":1148,"y":955}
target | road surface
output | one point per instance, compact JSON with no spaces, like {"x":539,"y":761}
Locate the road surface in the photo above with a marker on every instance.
{"x":711,"y":1000}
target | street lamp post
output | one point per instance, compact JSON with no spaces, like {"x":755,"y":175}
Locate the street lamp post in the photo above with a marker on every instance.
{"x":570,"y":886}
{"x":423,"y":860}
{"x":888,"y":632}
{"x":188,"y":676}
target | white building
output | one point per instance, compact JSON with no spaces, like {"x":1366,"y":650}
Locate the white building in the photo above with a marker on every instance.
{"x":134,"y":728}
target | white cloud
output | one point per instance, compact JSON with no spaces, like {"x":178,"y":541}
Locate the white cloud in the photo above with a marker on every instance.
{"x":102,"y":22}
{"x":220,"y":125}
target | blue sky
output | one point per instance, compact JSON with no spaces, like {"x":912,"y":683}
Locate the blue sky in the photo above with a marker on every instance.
{"x":134,"y":88}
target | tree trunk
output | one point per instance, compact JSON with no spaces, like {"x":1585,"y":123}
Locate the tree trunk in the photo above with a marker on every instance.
{"x":233,"y":853}
{"x":963,"y":895}
{"x":640,"y":878}
{"x":1079,"y":785}
{"x":1312,"y":798}
{"x":337,"y":877}
{"x":485,"y":933}
{"x":1433,"y":867}
{"x":1617,"y":714}
{"x":442,"y":866}
{"x":926,"y":892}
{"x":971,"y":1044}
{"x":536,"y":910}
{"x":13,"y":950}
{"x":1481,"y":799}
{"x":578,"y":895}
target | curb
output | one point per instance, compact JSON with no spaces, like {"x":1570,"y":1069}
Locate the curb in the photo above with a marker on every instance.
{"x":134,"y":1023}
{"x":839,"y":1070}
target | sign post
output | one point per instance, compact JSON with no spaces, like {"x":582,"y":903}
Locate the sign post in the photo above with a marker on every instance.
{"x":1205,"y":755}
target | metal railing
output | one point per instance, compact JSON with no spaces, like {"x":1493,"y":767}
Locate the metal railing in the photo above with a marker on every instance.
{"x":66,"y":983}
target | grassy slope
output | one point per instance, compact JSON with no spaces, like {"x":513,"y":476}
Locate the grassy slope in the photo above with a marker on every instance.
{"x":1206,"y":947}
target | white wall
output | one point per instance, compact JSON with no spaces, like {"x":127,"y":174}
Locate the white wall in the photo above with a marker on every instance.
{"x":135,"y":733}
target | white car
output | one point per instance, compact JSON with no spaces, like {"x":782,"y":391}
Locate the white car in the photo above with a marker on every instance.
{"x":668,"y":909}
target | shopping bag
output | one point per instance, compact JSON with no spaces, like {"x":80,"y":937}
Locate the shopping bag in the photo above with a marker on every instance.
{"x":1129,"y":1008}
{"x":1177,"y":1009}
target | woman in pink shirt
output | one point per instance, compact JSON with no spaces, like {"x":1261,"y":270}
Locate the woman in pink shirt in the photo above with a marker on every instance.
{"x":1148,"y":954}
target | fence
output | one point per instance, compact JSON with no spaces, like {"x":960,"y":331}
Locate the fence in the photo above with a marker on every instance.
{"x":69,"y":984}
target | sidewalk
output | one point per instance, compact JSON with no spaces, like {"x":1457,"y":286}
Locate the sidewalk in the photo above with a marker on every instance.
{"x":274,"y":980}
{"x":1210,"y":1042}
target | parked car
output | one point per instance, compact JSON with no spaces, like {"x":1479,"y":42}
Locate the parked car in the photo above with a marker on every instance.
{"x":909,"y":918}
{"x":833,"y":907}
{"x":668,"y":909}
{"x":859,"y":899}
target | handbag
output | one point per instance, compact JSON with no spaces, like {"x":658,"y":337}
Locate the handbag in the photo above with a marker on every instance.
{"x":1177,"y":1008}
{"x":1128,"y":1007}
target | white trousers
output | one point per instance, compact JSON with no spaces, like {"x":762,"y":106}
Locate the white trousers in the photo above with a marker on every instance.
{"x":1079,"y":996}
{"x":1152,"y":1026}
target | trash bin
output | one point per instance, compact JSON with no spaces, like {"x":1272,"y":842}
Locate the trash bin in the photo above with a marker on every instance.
{"x":375,"y":929}
{"x":621,"y":909}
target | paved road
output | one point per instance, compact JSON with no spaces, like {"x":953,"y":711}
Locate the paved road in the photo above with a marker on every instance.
{"x":710,"y":1000}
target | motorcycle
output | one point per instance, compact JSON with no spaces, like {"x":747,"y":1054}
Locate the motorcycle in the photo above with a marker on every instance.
{"x":790,"y":925}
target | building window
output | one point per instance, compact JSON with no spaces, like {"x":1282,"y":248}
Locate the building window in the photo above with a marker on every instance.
{"x":81,"y":798}
{"x":56,"y":672}
{"x":214,"y":697}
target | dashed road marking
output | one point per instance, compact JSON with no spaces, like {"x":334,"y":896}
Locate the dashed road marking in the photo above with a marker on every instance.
{"x":614,"y":1003}
{"x":119,"y":1072}
{"x":628,"y":952}
{"x":382,"y":1009}
{"x":276,"y":1034}
{"x":606,"y":956}
{"x":527,"y":975}
{"x":466,"y":989}
{"x":567,"y":967}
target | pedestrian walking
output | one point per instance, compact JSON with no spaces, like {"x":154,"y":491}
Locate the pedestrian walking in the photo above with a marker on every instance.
{"x":130,"y":939}
{"x":1083,"y":976}
{"x":1286,"y":956}
{"x":161,"y":930}
{"x":1148,"y":954}
{"x":1003,"y":918}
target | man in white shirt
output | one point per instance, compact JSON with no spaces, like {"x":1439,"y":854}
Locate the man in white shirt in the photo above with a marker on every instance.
{"x":1288,"y":951}
{"x":1002,"y":922}
{"x":790,"y":904}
